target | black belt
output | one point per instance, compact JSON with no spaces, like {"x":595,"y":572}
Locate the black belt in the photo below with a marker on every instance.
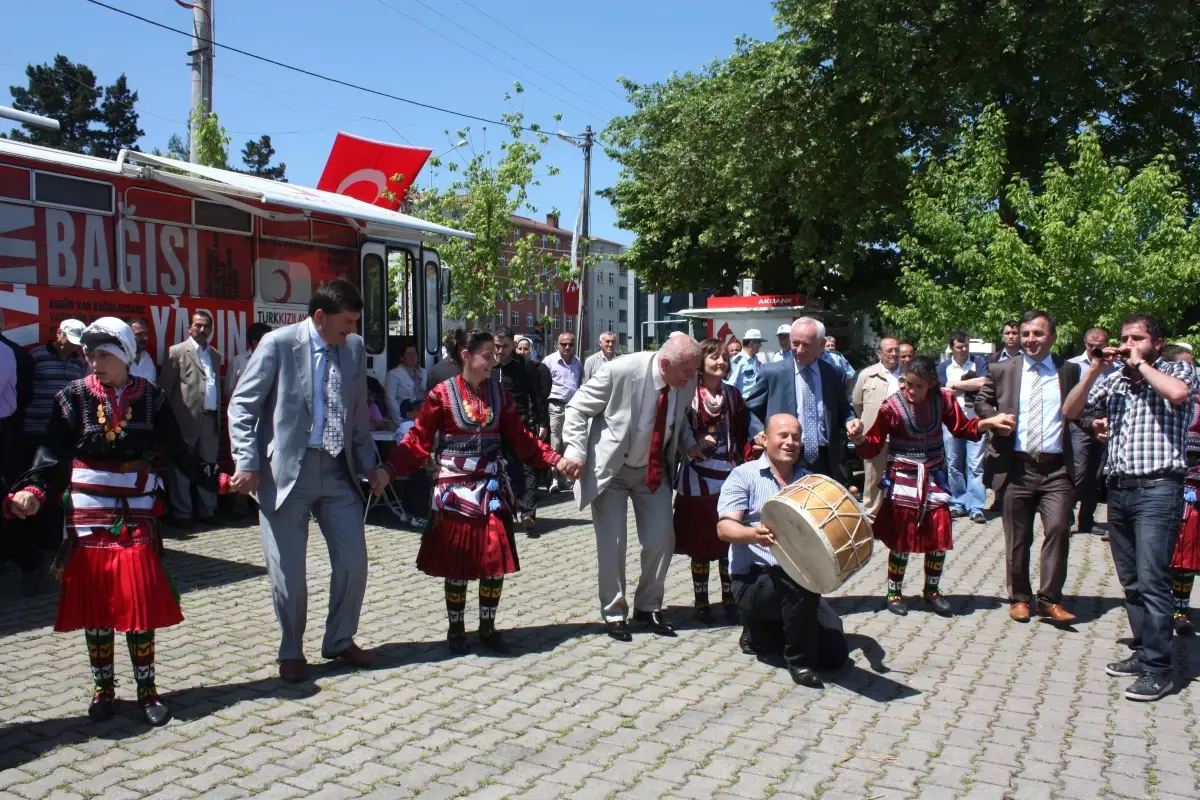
{"x":1127,"y":482}
{"x":554,"y":402}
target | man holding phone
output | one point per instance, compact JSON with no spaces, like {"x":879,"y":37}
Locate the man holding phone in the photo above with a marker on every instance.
{"x":1087,"y":449}
{"x":1146,"y":408}
{"x":964,"y":374}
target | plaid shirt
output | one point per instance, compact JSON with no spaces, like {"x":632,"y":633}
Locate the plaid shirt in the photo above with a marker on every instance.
{"x":1148,"y":432}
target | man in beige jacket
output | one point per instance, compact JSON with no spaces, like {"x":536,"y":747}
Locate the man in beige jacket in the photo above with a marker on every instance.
{"x":191,"y":377}
{"x":874,"y":385}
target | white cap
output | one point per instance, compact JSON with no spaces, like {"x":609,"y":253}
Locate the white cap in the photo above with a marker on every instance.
{"x":784,"y":328}
{"x":1184,"y":345}
{"x":73,"y":329}
{"x":754,"y":334}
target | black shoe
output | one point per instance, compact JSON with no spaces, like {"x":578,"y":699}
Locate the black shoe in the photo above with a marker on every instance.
{"x":1085,"y":525}
{"x":745,"y":642}
{"x":655,"y":621}
{"x":458,"y":644}
{"x":1129,"y":667}
{"x":731,"y":613}
{"x":939,"y":604}
{"x":103,"y":707}
{"x":1149,"y":687}
{"x":804,"y":676}
{"x":1184,"y":626}
{"x":494,"y":640}
{"x":896,"y":606}
{"x":156,"y":713}
{"x":705,"y":615}
{"x":618,"y":630}
{"x":183,"y":523}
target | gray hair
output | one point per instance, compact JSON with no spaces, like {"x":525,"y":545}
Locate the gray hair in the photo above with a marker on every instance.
{"x":816,"y":323}
{"x":679,"y":350}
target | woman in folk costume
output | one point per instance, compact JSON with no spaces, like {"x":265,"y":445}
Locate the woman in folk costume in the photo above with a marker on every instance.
{"x":915,"y":516}
{"x":717,"y":417}
{"x":470,"y":533}
{"x":1185,"y":562}
{"x":96,"y":458}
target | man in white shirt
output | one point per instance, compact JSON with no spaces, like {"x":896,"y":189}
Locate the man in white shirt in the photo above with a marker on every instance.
{"x":1087,"y":449}
{"x":784,"y":334}
{"x":745,"y":366}
{"x":143,"y":364}
{"x":190,"y":378}
{"x":963,"y":374}
{"x":606,"y":353}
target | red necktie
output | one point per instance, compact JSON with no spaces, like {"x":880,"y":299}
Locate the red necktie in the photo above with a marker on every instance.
{"x":654,"y":467}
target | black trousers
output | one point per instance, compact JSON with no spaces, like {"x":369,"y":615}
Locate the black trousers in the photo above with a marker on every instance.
{"x":416,"y":493}
{"x":1089,"y":454}
{"x":784,"y":617}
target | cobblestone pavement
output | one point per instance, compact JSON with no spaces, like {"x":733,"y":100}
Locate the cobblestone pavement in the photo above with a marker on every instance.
{"x":975,"y":706}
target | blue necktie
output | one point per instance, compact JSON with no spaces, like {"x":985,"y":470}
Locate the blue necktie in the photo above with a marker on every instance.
{"x":811,"y":422}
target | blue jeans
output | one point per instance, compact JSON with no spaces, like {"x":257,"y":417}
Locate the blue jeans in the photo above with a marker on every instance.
{"x":964,"y":468}
{"x":1145,"y":525}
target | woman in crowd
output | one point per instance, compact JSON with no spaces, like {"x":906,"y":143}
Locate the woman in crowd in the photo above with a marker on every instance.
{"x":470,"y":535}
{"x":717,"y":417}
{"x":405,"y":382}
{"x":915,"y":516}
{"x":96,"y":460}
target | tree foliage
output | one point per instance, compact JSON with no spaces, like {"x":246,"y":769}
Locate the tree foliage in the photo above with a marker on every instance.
{"x":492,"y":187}
{"x":257,"y":155}
{"x":68,"y":93}
{"x":1089,"y":242}
{"x":790,"y":160}
{"x":212,"y":142}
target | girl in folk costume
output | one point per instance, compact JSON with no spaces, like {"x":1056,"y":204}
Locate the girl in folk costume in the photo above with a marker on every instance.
{"x":915,"y":516}
{"x":97,"y":458}
{"x":1185,"y":562}
{"x":717,"y":417}
{"x":470,"y":534}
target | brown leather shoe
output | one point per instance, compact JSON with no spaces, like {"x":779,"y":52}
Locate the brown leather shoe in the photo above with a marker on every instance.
{"x":1019,"y":612}
{"x":355,"y":656}
{"x":293,"y":670}
{"x":1055,"y":613}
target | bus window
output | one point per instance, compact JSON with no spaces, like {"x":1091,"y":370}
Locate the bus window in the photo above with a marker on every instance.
{"x":374,"y":318}
{"x":401,"y":295}
{"x":433,"y":316}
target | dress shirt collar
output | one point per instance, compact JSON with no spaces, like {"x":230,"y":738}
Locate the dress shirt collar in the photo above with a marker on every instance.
{"x":196,"y":345}
{"x":660,"y":381}
{"x":1039,"y":366}
{"x":318,"y":344}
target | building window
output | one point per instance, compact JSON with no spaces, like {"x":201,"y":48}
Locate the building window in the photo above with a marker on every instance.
{"x":599,"y":277}
{"x":612,"y":278}
{"x":557,"y":299}
{"x":570,"y":323}
{"x":622,"y":316}
{"x":541,"y":299}
{"x":624,"y":339}
{"x":612,"y":303}
{"x":516,"y":236}
{"x":545,"y":242}
{"x":499,"y":318}
{"x":623,"y":292}
{"x":599,"y":301}
{"x":557,"y":322}
{"x":529,"y":319}
{"x":514,"y":318}
{"x":612,"y":326}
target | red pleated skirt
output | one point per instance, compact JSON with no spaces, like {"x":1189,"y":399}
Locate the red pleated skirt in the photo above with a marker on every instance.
{"x":896,"y":526}
{"x":696,"y":528}
{"x":468,"y":548}
{"x":1187,"y":546}
{"x":117,"y":582}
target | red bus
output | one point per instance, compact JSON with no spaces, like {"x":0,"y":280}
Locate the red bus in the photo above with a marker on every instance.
{"x":146,"y":236}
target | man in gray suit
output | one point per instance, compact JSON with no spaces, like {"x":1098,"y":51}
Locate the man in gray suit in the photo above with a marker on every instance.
{"x":635,"y":406}
{"x":301,"y":407}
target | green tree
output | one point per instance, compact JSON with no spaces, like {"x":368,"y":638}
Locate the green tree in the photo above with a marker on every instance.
{"x":790,"y":160}
{"x":492,"y":187}
{"x":212,"y":142}
{"x":1089,"y":242}
{"x":257,"y":155}
{"x":68,"y":93}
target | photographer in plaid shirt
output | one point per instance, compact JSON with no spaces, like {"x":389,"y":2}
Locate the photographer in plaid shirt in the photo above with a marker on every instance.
{"x":1145,"y":409}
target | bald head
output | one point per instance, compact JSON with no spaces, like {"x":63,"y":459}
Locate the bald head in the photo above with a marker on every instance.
{"x":808,"y":340}
{"x":783,"y":439}
{"x":889,"y":353}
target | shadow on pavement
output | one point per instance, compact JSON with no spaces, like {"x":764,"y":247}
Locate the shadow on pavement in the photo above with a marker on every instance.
{"x":189,"y":571}
{"x":522,"y":641}
{"x":27,"y":741}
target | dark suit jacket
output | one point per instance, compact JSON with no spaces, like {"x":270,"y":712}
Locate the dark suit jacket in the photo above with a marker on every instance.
{"x":1001,"y":394}
{"x":775,"y":393}
{"x":24,"y":379}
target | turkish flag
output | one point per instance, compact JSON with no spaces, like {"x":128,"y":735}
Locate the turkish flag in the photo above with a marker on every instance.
{"x":570,"y":298}
{"x":363,"y":169}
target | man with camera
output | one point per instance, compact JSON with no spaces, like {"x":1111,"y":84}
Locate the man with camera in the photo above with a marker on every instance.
{"x":1145,"y":409}
{"x":964,"y":375}
{"x":1087,"y":448}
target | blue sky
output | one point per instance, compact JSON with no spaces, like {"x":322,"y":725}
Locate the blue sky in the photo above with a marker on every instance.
{"x":382,"y":44}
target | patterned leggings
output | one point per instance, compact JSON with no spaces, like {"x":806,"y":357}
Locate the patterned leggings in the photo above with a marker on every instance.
{"x":1181,"y":588}
{"x":489,"y":601}
{"x":898,"y":563}
{"x":100,"y":644}
{"x":700,"y":574}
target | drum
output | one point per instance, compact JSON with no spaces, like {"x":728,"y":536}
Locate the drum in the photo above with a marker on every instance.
{"x":822,"y":534}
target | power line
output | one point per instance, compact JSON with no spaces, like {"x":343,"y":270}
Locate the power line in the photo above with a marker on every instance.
{"x":485,"y":59}
{"x":544,"y":50}
{"x":504,"y":52}
{"x":312,"y":74}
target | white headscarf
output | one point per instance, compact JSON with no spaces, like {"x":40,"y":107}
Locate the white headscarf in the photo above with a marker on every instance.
{"x":111,"y":335}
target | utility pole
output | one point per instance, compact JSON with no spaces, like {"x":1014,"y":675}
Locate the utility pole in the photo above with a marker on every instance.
{"x":585,"y":212}
{"x":202,"y":71}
